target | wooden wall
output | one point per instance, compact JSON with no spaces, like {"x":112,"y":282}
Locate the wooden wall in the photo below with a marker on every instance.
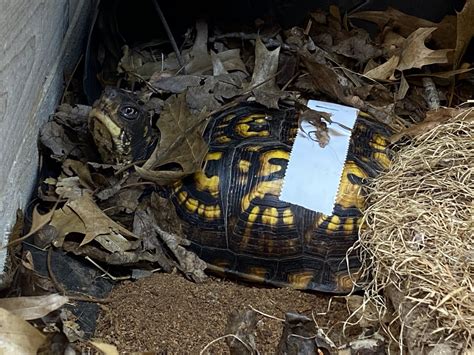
{"x":40,"y":42}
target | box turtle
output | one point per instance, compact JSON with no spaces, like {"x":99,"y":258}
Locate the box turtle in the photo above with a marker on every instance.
{"x":230,"y":209}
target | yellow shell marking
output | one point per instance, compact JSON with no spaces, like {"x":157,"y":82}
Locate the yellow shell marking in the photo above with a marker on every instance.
{"x":257,"y":273}
{"x":300,"y":280}
{"x":348,"y":225}
{"x":204,"y":183}
{"x":252,"y":217}
{"x":334,"y":223}
{"x":243,"y":130}
{"x":349,"y":194}
{"x":213,"y":156}
{"x":288,"y":217}
{"x":270,"y":216}
{"x":194,"y":206}
{"x":382,"y":159}
{"x":228,"y":118}
{"x":212,"y":212}
{"x":191,"y":204}
{"x":182,"y":196}
{"x":254,"y":148}
{"x":262,"y":188}
{"x":254,"y":117}
{"x":267,"y":168}
{"x":223,"y":139}
{"x":244,"y":166}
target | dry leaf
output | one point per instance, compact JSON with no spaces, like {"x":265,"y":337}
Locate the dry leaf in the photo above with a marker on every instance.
{"x":107,"y":349}
{"x":34,"y":307}
{"x":17,"y":336}
{"x":200,"y":57}
{"x":415,"y":54}
{"x":433,"y":119}
{"x":444,"y":74}
{"x":181,"y":143}
{"x":465,"y":31}
{"x":83,"y":216}
{"x":357,"y":46}
{"x":384,"y":71}
{"x":98,"y":224}
{"x":324,"y":79}
{"x":403,"y":89}
{"x":406,"y":24}
{"x":70,"y":188}
{"x":263,"y":84}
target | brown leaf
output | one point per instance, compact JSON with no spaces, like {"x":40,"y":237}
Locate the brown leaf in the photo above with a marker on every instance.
{"x":83,"y":216}
{"x":433,"y":119}
{"x":200,"y":57}
{"x":166,"y":224}
{"x":415,"y":54}
{"x":17,"y":336}
{"x":33,"y":307}
{"x":403,"y":89}
{"x":357,"y":46}
{"x":384,"y":71}
{"x":412,"y":54}
{"x":323,"y":77}
{"x":406,"y":24}
{"x":106,"y":349}
{"x":263,"y":84}
{"x":465,"y":31}
{"x":70,"y":188}
{"x":444,"y":74}
{"x":98,"y":224}
{"x":181,"y":143}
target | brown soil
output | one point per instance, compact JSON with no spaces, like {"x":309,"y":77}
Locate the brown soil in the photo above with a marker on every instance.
{"x":166,"y":313}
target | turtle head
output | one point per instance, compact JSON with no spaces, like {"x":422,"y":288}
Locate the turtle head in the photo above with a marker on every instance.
{"x":121,"y":127}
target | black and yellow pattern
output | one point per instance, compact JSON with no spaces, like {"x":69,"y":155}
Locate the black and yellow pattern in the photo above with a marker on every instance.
{"x":231,"y":211}
{"x":236,"y":222}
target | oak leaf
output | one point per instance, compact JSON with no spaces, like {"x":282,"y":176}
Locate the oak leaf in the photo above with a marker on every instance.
{"x":181,"y":144}
{"x":465,"y":31}
{"x":416,"y":55}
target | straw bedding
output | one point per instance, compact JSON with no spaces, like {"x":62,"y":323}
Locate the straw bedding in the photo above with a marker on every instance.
{"x":418,"y":238}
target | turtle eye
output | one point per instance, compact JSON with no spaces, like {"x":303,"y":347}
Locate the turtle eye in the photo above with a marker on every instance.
{"x":129,"y":112}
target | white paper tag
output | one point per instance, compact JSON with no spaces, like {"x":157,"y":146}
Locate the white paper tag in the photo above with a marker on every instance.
{"x":313,"y":173}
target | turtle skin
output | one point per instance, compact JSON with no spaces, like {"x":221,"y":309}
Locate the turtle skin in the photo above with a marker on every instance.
{"x":236,"y":222}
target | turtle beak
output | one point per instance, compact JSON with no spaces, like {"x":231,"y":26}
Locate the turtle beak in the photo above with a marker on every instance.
{"x":108,"y":136}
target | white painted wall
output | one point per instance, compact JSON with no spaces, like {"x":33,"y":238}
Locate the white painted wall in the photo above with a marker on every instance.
{"x":40,"y":42}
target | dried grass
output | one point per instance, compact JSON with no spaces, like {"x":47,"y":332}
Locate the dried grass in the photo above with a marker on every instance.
{"x":418,"y":238}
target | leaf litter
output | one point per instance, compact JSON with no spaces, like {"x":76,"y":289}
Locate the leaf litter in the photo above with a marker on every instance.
{"x":112,"y":214}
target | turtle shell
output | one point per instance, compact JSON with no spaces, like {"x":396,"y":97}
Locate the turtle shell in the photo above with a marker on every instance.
{"x":236,"y":222}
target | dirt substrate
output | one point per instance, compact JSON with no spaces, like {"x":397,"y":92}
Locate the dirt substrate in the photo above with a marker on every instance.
{"x":167,"y":313}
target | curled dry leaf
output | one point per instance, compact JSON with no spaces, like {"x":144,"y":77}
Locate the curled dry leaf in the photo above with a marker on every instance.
{"x":181,"y":143}
{"x":33,"y":307}
{"x":166,"y":225}
{"x":384,"y":71}
{"x":17,"y":336}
